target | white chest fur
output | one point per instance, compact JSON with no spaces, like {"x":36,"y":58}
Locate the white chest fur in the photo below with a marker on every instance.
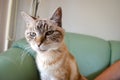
{"x":49,"y":62}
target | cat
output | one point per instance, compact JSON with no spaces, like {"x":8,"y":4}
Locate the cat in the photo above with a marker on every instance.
{"x":46,"y":37}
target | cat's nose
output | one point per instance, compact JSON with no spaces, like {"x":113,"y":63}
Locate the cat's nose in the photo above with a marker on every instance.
{"x":39,"y":45}
{"x":39,"y":40}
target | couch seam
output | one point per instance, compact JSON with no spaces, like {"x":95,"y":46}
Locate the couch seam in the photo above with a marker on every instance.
{"x":110,"y":52}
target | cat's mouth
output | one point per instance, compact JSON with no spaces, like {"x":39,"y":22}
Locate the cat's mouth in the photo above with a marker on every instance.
{"x":42,"y":50}
{"x":38,"y":48}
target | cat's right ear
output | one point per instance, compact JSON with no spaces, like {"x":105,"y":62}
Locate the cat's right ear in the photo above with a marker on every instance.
{"x":27,"y":18}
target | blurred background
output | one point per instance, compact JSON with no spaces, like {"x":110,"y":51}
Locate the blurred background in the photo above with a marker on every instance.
{"x":99,"y":18}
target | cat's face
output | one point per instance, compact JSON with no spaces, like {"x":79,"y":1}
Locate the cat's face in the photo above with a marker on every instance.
{"x":44,"y":35}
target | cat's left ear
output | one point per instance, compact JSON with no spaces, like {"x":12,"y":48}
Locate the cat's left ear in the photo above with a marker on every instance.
{"x":28,"y":19}
{"x":57,"y":17}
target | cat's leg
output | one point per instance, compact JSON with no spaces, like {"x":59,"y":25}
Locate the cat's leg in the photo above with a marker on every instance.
{"x":60,"y":75}
{"x":75,"y":75}
{"x":44,"y":77}
{"x":59,"y":79}
{"x":83,"y":78}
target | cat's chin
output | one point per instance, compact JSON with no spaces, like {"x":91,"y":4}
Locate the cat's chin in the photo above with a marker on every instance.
{"x":40,"y":51}
{"x":45,"y":50}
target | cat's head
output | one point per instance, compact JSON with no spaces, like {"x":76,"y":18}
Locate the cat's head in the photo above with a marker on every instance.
{"x":44,"y":34}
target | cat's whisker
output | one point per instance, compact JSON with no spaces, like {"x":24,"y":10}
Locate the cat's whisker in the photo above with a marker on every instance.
{"x":24,"y":53}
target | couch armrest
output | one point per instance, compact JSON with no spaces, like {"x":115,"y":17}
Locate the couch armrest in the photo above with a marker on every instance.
{"x":15,"y":66}
{"x":115,"y":51}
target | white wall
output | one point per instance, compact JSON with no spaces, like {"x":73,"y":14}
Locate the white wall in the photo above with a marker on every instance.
{"x":100,"y":18}
{"x":23,"y":5}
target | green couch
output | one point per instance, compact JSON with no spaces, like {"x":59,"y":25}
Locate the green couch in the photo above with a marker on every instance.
{"x":93,"y":55}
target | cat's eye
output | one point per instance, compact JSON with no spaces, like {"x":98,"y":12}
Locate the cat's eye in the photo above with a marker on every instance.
{"x":32,"y":34}
{"x":49,"y":32}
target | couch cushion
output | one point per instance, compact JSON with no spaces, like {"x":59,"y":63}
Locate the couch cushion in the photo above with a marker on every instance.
{"x":92,"y":54}
{"x":115,"y":51}
{"x":22,"y":43}
{"x":15,"y":66}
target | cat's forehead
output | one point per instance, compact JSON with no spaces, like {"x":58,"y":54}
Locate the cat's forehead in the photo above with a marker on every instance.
{"x":45,"y":21}
{"x":44,"y":25}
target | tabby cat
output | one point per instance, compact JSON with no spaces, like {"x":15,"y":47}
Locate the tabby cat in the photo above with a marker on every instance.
{"x":46,"y":37}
